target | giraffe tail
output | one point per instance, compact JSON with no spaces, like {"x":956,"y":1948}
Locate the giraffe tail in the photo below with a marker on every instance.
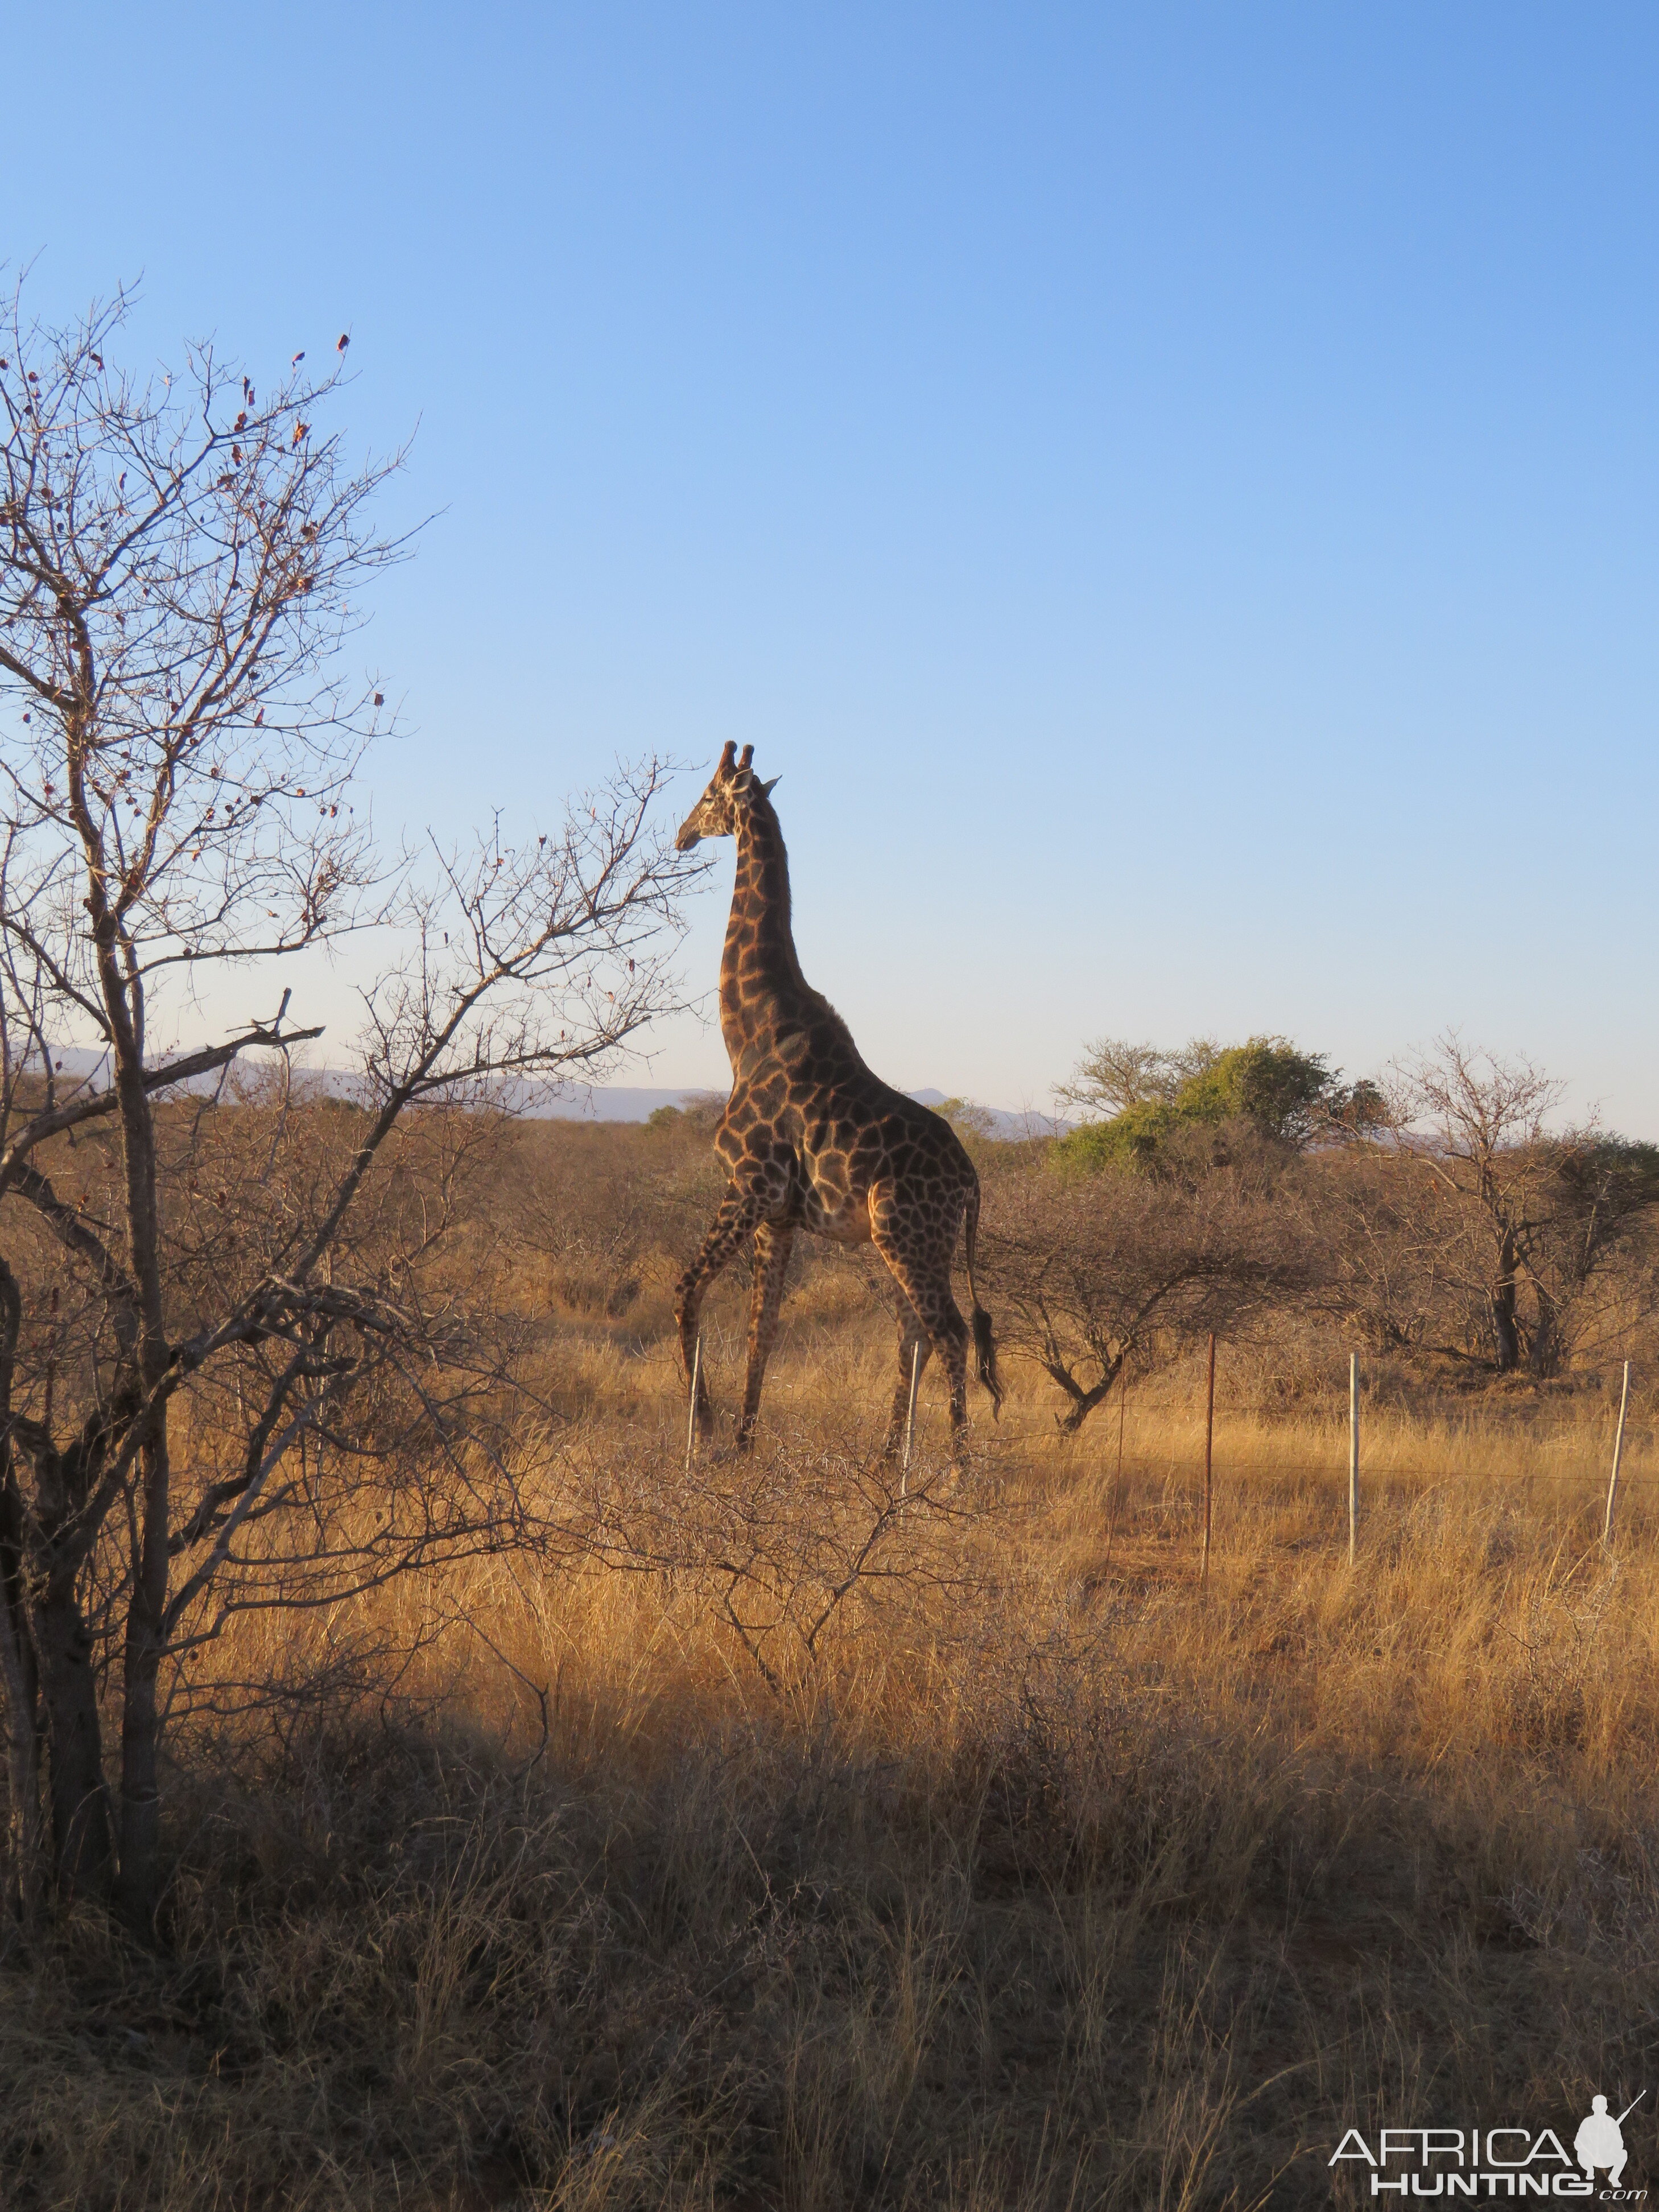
{"x":985,"y":1350}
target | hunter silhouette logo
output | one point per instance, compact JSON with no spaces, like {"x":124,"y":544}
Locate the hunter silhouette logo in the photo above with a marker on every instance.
{"x":1600,"y":2141}
{"x":1487,"y":2162}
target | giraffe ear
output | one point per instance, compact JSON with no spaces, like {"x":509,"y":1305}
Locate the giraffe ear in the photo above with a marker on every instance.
{"x":767,"y":789}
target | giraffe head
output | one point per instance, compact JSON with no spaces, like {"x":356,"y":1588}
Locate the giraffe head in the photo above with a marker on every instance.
{"x":733,"y":790}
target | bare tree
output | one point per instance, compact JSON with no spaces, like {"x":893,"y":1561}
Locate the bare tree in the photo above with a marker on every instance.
{"x":1524,"y":1220}
{"x":1115,"y":1073}
{"x":180,"y":562}
{"x":1103,"y":1276}
{"x":1485,"y":1142}
{"x":1385,"y":1270}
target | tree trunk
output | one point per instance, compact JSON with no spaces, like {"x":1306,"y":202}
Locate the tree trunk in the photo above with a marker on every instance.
{"x":1544,"y":1343}
{"x":139,"y":1890}
{"x":1083,"y":1402}
{"x":1506,"y":1336}
{"x":26,"y":1829}
{"x":82,"y":1845}
{"x":19,"y":1677}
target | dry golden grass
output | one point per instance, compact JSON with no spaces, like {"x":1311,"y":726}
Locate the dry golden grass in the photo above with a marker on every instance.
{"x":1049,"y":1879}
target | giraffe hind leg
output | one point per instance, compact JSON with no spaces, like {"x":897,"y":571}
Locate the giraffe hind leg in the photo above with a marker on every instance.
{"x":912,"y":1337}
{"x":773,"y":1244}
{"x":918,"y":1257}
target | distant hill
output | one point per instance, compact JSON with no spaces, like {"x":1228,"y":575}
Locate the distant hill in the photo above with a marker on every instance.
{"x":620,"y":1102}
{"x":607,"y":1102}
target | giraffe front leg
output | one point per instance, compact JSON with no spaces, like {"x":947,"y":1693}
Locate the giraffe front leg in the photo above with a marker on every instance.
{"x":773,"y":1242}
{"x":739,"y":1215}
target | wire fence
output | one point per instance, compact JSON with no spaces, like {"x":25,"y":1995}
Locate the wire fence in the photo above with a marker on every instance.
{"x":1241,"y":1470}
{"x":1610,"y":1481}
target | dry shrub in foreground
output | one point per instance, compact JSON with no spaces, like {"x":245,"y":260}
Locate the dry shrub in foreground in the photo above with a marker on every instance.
{"x":1045,"y":1886}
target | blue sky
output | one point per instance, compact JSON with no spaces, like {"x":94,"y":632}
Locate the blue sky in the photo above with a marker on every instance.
{"x":1172,"y":489}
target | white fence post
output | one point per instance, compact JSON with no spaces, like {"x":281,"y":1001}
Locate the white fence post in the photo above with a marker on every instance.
{"x":1117,"y":1486}
{"x":1353,"y":1456}
{"x":1617,"y":1454}
{"x":691,"y":1417}
{"x":1209,"y":1458}
{"x":910,"y":1418}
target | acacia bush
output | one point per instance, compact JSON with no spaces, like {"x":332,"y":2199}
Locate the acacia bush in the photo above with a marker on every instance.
{"x":1139,"y":1103}
{"x":1099,"y":1280}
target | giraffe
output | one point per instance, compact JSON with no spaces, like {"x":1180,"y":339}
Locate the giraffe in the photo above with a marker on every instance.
{"x":812,"y":1139}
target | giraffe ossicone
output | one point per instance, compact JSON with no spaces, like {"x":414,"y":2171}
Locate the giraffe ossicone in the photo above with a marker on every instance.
{"x":812,"y":1140}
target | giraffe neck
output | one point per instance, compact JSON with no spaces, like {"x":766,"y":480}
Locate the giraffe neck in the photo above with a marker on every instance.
{"x":761,"y":987}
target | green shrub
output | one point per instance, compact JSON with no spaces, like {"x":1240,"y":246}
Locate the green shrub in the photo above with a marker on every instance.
{"x":1279,"y":1093}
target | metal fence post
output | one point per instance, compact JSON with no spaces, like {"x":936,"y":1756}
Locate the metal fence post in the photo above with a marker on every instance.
{"x":1353,"y":1456}
{"x":1117,"y":1486}
{"x":691,"y":1417}
{"x":1209,"y":1444}
{"x":910,"y":1418}
{"x":1617,"y":1454}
